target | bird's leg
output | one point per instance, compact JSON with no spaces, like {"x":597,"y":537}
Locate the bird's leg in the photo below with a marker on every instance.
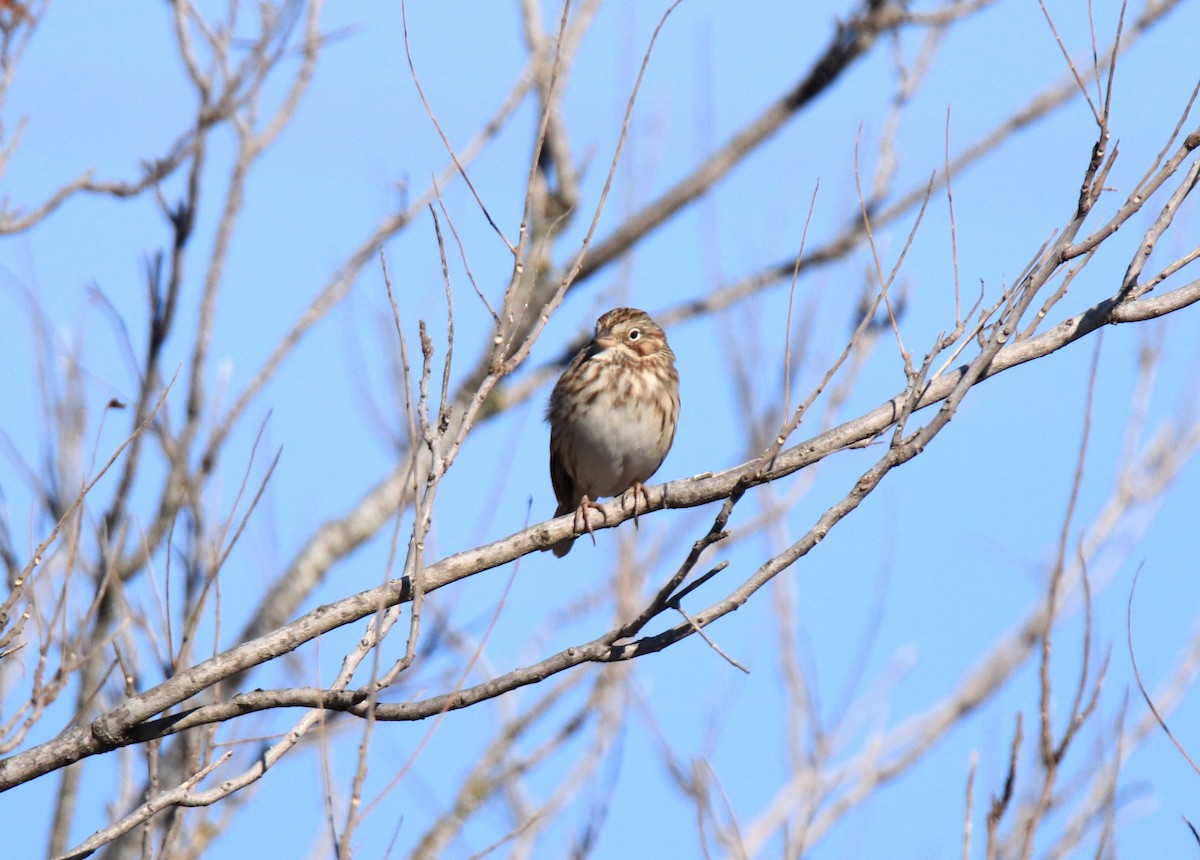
{"x":581,"y":513}
{"x":636,"y":488}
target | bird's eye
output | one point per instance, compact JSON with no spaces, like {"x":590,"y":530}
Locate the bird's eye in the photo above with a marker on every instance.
{"x":635,"y":333}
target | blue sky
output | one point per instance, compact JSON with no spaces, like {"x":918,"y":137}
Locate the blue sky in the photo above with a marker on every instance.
{"x":957,"y":542}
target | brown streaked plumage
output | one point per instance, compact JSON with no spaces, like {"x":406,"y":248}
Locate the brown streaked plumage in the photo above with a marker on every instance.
{"x":612,"y":415}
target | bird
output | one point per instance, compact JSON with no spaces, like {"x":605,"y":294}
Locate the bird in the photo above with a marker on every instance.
{"x":612,"y":415}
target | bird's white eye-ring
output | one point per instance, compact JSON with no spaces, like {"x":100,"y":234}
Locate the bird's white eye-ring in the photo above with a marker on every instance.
{"x":635,"y":333}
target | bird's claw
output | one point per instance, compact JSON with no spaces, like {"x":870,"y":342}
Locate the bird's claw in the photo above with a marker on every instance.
{"x":638,"y":487}
{"x":581,"y":514}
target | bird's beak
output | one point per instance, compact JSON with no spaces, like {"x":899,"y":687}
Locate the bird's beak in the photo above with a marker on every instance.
{"x":604,"y":340}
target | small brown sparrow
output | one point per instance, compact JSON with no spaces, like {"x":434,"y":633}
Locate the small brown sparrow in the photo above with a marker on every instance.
{"x":612,"y":415}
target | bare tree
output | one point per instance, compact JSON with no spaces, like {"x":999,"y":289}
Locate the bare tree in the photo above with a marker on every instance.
{"x":134,"y":655}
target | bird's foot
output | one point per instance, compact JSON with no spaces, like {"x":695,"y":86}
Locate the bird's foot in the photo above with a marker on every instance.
{"x":581,"y":514}
{"x":638,"y":488}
